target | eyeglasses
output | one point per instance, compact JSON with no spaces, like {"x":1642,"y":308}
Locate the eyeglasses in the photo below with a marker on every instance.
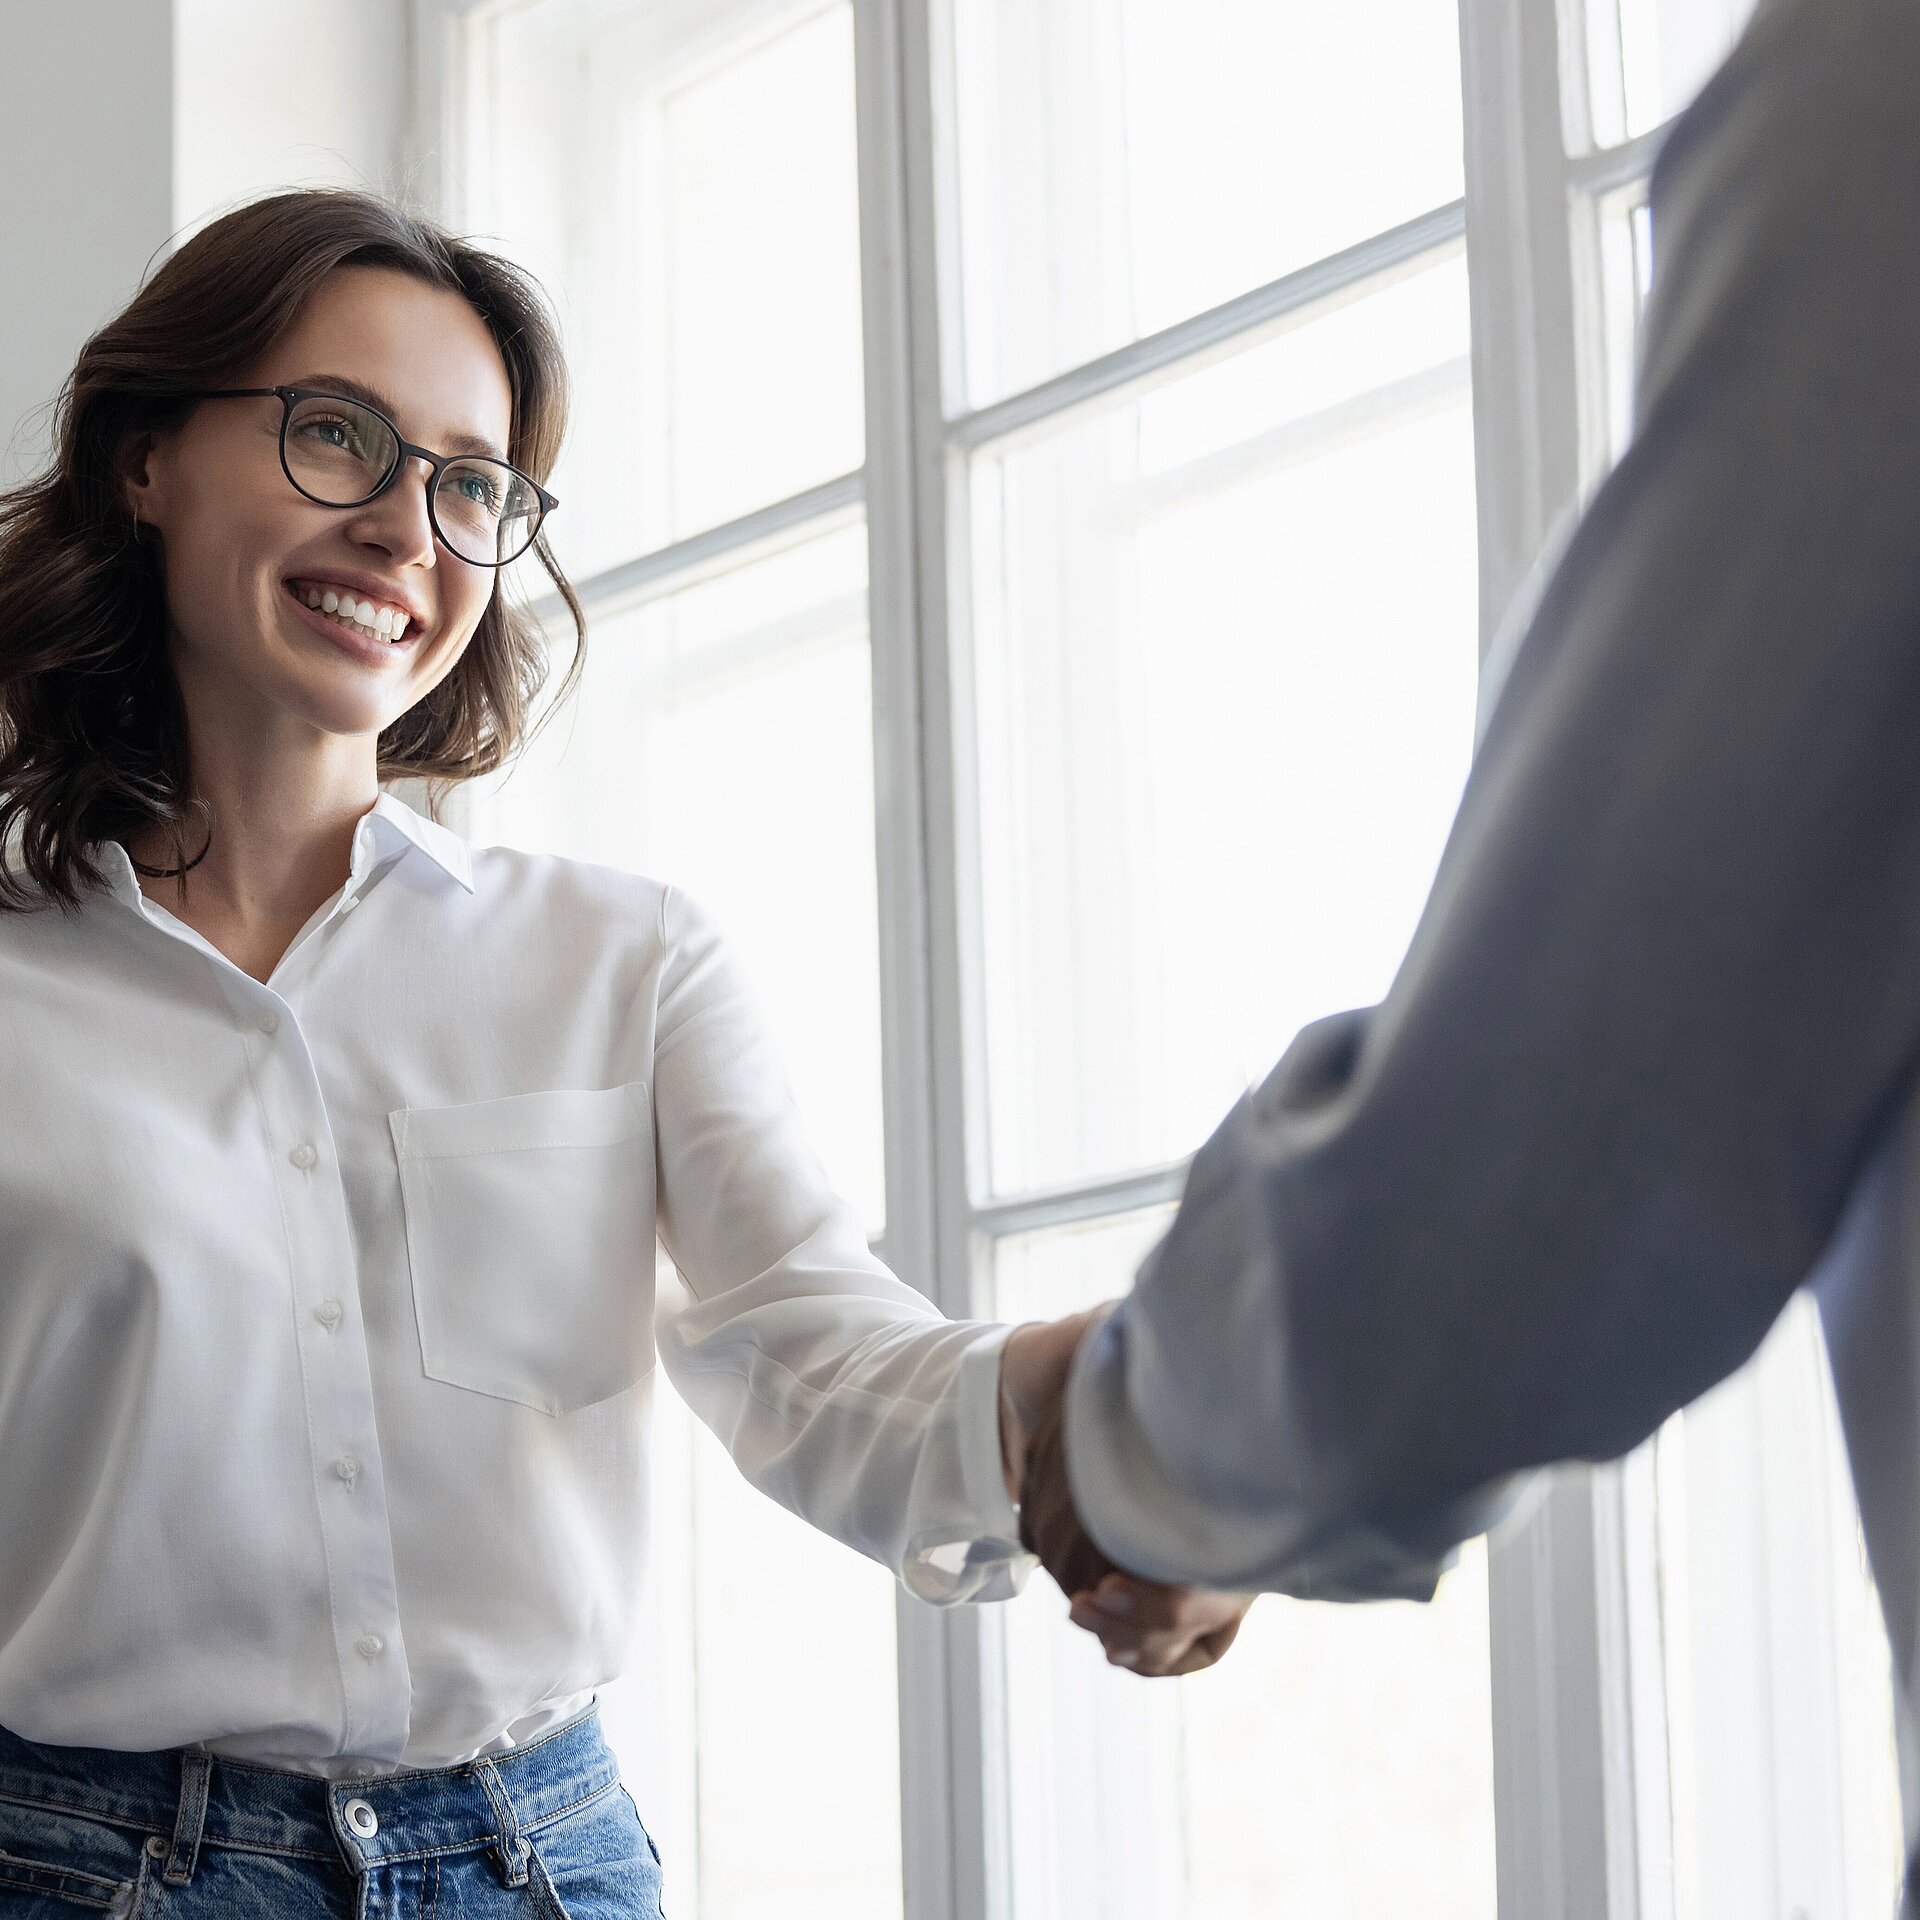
{"x":344,"y":453}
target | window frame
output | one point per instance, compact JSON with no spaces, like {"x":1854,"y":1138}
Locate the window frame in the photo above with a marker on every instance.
{"x":1581,"y":1792}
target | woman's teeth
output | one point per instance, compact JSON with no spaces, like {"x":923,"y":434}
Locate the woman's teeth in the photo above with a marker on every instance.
{"x":376,"y":622}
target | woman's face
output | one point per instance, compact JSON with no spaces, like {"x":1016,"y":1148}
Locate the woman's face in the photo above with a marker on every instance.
{"x":243,"y":551}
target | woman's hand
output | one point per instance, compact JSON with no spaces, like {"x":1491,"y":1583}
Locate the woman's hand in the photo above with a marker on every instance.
{"x":1147,"y":1627}
{"x":1033,"y":1374}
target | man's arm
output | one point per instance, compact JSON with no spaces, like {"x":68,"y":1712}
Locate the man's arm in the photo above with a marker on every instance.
{"x":1667,"y":986}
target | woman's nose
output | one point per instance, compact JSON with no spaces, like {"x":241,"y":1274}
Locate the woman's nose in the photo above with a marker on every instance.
{"x":398,"y":520}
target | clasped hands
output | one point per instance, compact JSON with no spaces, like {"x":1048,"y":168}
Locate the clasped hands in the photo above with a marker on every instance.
{"x":1146,"y":1626}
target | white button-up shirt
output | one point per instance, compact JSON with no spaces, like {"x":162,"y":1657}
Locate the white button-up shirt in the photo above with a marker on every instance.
{"x":327,"y":1315}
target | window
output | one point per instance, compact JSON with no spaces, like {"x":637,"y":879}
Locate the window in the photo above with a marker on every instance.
{"x":1215,"y":689}
{"x":1043,"y":475}
{"x":1121,"y":167}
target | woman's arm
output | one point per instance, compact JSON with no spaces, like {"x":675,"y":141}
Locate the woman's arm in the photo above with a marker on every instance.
{"x":840,"y":1391}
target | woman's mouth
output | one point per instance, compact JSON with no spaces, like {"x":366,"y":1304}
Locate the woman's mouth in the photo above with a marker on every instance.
{"x":369,"y":627}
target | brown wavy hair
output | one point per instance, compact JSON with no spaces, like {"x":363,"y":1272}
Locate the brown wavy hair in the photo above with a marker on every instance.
{"x":93,"y":732}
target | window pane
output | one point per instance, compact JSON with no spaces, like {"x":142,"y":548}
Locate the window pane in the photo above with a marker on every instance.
{"x":1763,"y":1633}
{"x":1626,"y":278}
{"x":681,"y":178}
{"x":1125,"y":163}
{"x":1225,"y":655}
{"x":799,"y":1735}
{"x":1783,"y":1783}
{"x":1339,"y":1762}
{"x":1648,"y":58}
{"x":755,"y":1624}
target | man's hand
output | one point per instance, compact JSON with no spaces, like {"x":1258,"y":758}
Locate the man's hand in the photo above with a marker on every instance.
{"x":1145,"y":1626}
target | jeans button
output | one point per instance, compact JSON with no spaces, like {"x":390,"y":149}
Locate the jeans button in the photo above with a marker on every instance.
{"x":362,"y":1819}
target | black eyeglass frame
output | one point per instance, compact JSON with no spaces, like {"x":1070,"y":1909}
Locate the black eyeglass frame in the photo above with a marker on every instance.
{"x":437,"y":462}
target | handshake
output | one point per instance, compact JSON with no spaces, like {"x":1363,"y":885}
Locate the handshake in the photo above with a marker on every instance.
{"x":1146,"y":1626}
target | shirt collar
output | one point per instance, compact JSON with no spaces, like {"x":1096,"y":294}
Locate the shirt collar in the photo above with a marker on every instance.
{"x":116,"y":865}
{"x":390,"y":826}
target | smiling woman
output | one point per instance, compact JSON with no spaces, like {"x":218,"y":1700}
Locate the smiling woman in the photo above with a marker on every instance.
{"x":333,"y":1151}
{"x":93,"y":741}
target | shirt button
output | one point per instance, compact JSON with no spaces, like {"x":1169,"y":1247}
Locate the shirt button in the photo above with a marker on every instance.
{"x":362,"y":1819}
{"x":346,"y":1468}
{"x":349,"y":903}
{"x":369,"y":1645}
{"x":268,"y":1021}
{"x":328,"y":1313}
{"x":303,"y":1156}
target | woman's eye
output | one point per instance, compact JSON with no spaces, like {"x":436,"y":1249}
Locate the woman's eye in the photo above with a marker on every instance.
{"x":332,"y":431}
{"x":479,"y":490}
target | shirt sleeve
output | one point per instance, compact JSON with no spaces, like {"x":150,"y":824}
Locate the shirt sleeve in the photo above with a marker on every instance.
{"x":1665,"y":995}
{"x":839,"y":1391}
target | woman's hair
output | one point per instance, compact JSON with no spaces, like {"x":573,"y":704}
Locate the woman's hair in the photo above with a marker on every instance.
{"x":93,"y":732}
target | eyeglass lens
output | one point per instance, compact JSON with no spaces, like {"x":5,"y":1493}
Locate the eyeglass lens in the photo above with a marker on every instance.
{"x":341,"y":453}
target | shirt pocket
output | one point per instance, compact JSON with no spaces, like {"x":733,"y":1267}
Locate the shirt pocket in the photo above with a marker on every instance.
{"x":530,"y":1226}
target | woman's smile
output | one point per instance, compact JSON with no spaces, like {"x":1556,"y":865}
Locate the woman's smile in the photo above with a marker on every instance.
{"x":353,"y":624}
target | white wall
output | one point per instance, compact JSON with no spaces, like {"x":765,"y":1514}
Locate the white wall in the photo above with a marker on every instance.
{"x":287,"y":93}
{"x":86,"y":142}
{"x":125,"y":124}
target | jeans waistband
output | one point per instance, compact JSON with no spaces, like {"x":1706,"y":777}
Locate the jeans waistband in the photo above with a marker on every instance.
{"x":184,"y":1796}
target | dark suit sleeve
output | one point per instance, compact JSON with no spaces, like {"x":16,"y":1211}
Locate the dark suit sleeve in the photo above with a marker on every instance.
{"x":1666,"y":991}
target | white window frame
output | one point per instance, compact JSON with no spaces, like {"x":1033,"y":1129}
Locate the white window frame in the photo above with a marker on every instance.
{"x":1580,"y":1785}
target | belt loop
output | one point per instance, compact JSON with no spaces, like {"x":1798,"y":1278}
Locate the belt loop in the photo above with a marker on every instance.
{"x":196,"y":1765}
{"x":512,"y":1850}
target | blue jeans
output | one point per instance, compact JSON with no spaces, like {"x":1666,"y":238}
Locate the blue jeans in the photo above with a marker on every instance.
{"x":546,"y":1830}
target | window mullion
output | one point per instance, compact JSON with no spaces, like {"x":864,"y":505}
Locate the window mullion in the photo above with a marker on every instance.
{"x":1562,"y":1765}
{"x":952,"y":1732}
{"x":1526,"y":401}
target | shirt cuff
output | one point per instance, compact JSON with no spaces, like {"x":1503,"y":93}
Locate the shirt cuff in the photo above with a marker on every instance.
{"x":980,"y":1558}
{"x":977,"y":1411}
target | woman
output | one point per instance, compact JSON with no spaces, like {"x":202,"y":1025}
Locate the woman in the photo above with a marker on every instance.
{"x":332,"y":1152}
